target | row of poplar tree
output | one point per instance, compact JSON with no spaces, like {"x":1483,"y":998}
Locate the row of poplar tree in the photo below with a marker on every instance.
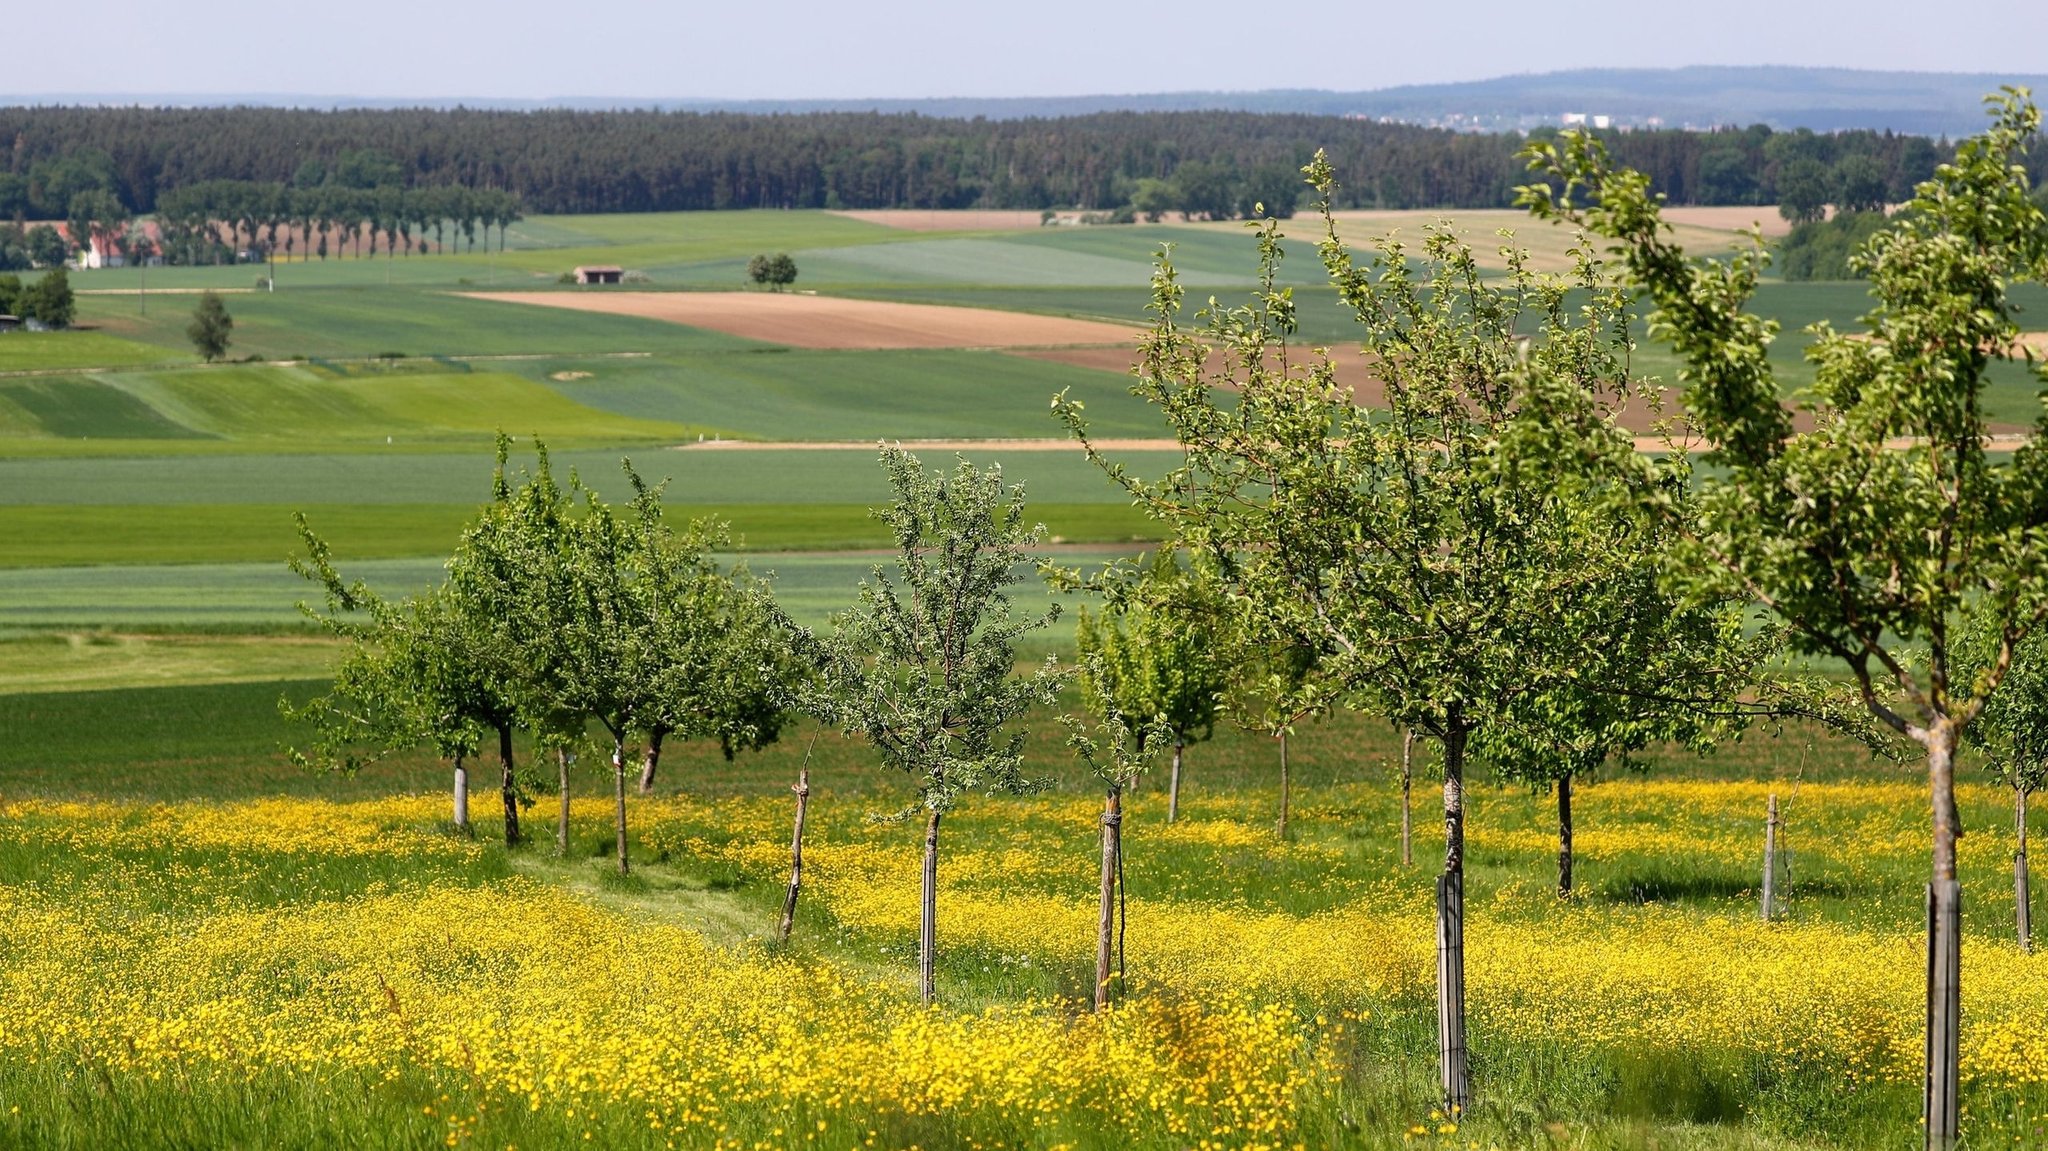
{"x":226,"y":221}
{"x":1508,"y":551}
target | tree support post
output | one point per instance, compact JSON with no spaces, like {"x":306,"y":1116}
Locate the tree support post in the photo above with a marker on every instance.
{"x":1284,"y":782}
{"x":796,"y":850}
{"x":1450,"y":935}
{"x":508,"y":785}
{"x":2022,"y":896}
{"x":1407,"y":783}
{"x":1173,"y":784}
{"x":1944,"y":1011}
{"x":461,"y":794}
{"x":1768,"y":908}
{"x":1944,"y":947}
{"x":619,"y":799}
{"x":928,"y":915}
{"x":1564,"y":837}
{"x":562,"y":824}
{"x":1112,"y":870}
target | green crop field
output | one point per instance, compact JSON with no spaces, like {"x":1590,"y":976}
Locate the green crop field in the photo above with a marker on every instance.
{"x":56,"y":351}
{"x":72,"y":535}
{"x":224,"y":597}
{"x":364,"y":321}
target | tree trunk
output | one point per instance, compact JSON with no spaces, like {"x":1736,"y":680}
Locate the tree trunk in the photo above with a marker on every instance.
{"x":619,"y":798}
{"x":1112,"y":871}
{"x":510,"y":785}
{"x":562,"y":825}
{"x":1944,"y":945}
{"x":461,"y":794}
{"x":1283,"y":785}
{"x":796,"y":849}
{"x":1450,"y":933}
{"x":2022,"y":898}
{"x":1173,"y":783}
{"x":1407,"y":782}
{"x":928,"y":915}
{"x":1564,"y":837}
{"x":651,"y":760}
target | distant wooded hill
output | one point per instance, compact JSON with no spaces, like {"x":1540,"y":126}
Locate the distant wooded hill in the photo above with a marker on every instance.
{"x":1783,"y":98}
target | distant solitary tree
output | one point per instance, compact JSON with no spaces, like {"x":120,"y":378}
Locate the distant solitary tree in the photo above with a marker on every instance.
{"x":210,"y":326}
{"x":924,"y":666}
{"x":776,"y":272}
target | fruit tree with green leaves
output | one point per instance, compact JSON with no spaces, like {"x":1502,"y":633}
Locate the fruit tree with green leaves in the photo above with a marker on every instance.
{"x":1890,"y":528}
{"x":924,"y":665}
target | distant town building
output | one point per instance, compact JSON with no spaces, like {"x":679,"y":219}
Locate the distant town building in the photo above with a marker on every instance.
{"x":599,"y":274}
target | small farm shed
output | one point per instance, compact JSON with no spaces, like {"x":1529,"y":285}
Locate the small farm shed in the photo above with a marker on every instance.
{"x":9,"y":323}
{"x":599,"y":274}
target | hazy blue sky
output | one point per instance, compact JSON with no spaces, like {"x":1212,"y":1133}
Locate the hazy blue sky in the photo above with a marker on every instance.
{"x":805,"y":48}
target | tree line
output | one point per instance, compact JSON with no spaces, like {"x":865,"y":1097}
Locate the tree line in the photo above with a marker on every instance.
{"x":623,"y":161}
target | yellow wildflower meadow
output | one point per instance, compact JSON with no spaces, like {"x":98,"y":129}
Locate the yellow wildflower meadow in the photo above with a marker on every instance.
{"x":1246,"y":1009}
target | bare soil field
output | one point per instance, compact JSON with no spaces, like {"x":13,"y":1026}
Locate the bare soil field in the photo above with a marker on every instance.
{"x":828,"y":322}
{"x":947,"y":219}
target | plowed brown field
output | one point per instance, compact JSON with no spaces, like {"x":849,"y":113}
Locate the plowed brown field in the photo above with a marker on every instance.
{"x":830,"y":322}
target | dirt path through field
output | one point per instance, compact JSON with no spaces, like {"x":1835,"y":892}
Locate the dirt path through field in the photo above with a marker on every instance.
{"x":832,"y":322}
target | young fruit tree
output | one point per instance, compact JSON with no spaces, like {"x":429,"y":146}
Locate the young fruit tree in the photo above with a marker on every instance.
{"x":1666,"y":666}
{"x":383,"y":698}
{"x":923,"y":666}
{"x":425,"y":669}
{"x":742,"y":690}
{"x":1423,"y":545}
{"x":1266,"y":698}
{"x":1891,"y":527}
{"x":2013,"y":733}
{"x":632,"y":618}
{"x":1115,"y":754}
{"x":1159,"y":654}
{"x":508,"y":559}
